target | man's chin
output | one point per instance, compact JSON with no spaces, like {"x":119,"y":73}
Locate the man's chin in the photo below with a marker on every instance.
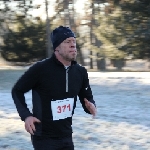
{"x":73,"y":59}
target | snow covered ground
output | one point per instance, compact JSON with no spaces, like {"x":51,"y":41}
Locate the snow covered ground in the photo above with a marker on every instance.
{"x":122,"y":122}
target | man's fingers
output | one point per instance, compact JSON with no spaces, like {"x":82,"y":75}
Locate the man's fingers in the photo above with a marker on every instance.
{"x":36,"y":120}
{"x":29,"y":124}
{"x":29,"y":129}
{"x":91,"y":107}
{"x":32,"y":127}
{"x":93,"y":112}
{"x":26,"y":127}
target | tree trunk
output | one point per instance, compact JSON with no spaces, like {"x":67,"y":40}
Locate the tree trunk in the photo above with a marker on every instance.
{"x":49,"y":46}
{"x":101,"y":64}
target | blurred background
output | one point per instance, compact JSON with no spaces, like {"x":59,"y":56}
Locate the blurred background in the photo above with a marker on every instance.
{"x":111,"y":34}
{"x":113,"y":43}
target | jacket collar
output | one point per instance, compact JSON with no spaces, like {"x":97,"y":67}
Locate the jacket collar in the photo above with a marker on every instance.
{"x":58,"y":62}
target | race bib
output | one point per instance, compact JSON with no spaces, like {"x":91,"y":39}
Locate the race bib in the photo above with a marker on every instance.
{"x":62,"y":109}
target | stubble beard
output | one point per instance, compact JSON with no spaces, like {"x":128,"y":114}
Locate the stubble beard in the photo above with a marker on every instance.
{"x":69,"y":58}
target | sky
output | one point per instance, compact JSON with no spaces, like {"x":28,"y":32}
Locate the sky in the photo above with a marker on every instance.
{"x":79,"y":6}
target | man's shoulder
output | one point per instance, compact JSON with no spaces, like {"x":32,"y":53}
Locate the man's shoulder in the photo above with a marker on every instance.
{"x":42,"y":62}
{"x":80,"y":65}
{"x":39,"y":64}
{"x":81,"y":68}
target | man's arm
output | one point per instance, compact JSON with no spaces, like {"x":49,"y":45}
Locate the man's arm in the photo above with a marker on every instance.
{"x":86,"y":94}
{"x":28,"y":81}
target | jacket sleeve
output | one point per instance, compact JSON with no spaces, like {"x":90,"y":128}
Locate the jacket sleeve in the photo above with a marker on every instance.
{"x":26,"y":82}
{"x":86,"y":92}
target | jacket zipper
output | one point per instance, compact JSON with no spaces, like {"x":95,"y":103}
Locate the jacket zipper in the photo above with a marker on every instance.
{"x":67,"y":79}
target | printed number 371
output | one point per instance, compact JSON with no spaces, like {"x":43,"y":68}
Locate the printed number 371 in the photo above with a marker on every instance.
{"x":61,"y":109}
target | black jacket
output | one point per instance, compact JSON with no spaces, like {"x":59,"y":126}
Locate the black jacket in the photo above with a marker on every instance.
{"x":50,"y":81}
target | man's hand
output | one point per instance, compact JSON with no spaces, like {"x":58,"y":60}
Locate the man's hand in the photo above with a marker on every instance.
{"x":91,"y":107}
{"x":29,"y":124}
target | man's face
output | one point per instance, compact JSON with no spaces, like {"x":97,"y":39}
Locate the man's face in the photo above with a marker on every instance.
{"x":67,"y":49}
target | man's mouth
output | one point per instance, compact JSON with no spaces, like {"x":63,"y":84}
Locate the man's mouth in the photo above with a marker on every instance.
{"x":72,"y":51}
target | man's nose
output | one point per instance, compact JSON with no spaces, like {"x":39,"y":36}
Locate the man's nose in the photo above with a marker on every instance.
{"x":73,"y":44}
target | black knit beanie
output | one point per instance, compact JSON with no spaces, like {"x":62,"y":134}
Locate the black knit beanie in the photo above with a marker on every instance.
{"x":60,"y":34}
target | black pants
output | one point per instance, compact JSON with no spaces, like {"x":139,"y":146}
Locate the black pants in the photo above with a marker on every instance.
{"x":52,"y":143}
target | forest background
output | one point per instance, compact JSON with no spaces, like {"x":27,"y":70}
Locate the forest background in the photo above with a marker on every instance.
{"x":110,"y":33}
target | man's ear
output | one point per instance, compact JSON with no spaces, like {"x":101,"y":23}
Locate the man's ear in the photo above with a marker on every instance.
{"x":57,"y":48}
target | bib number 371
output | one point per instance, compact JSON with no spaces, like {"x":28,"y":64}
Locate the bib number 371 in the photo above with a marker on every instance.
{"x":62,"y":109}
